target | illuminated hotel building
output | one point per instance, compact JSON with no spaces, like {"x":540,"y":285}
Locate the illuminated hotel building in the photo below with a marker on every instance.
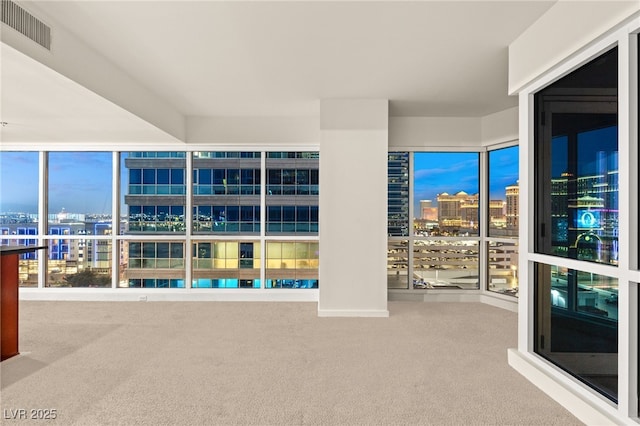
{"x":512,"y":205}
{"x":459,"y":211}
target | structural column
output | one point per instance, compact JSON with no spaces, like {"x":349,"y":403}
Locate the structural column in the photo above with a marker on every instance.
{"x":353,"y":207}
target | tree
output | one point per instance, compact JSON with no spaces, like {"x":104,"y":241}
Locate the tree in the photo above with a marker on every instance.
{"x":88,"y":278}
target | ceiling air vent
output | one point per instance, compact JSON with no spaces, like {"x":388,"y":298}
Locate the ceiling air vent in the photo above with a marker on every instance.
{"x":25,"y":23}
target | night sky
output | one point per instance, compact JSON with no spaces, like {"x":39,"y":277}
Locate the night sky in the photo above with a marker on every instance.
{"x":589,"y":144}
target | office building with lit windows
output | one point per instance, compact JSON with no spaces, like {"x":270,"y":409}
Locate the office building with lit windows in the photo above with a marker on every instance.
{"x":289,"y":165}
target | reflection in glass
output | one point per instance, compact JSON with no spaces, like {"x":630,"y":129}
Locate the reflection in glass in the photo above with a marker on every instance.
{"x":503,"y":267}
{"x":447,"y":263}
{"x":577,"y":324}
{"x":577,"y":164}
{"x":446,"y":199}
{"x":503,"y":192}
{"x":398,"y":264}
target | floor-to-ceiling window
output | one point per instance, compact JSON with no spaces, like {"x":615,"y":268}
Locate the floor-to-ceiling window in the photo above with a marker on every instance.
{"x":292,"y":217}
{"x":19,"y":206}
{"x":226,"y":211}
{"x":398,"y":220}
{"x":433,"y":220}
{"x":576,"y":217}
{"x":503,"y":220}
{"x":79,"y":225}
{"x":219,"y":219}
{"x":153,"y":199}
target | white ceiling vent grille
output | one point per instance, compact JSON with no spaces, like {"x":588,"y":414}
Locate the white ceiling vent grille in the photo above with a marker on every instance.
{"x":25,"y":23}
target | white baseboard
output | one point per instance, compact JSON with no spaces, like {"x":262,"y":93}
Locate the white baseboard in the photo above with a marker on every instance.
{"x":169,"y":295}
{"x":583,"y":403}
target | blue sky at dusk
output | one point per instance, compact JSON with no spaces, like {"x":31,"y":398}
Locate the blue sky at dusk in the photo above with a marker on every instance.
{"x":79,"y":182}
{"x":19,"y":182}
{"x":503,"y":171}
{"x":452,"y":172}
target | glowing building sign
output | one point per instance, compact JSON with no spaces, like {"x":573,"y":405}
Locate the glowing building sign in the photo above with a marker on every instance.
{"x":587,"y":219}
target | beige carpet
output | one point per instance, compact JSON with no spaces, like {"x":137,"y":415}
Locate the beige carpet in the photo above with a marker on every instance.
{"x":166,"y":363}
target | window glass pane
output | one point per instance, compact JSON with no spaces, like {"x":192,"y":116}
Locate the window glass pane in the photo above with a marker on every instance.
{"x":577,"y":164}
{"x":226,"y":187}
{"x":163,"y":176}
{"x":503,"y":192}
{"x":398,"y":194}
{"x":79,"y":191}
{"x":27,"y":262}
{"x":292,"y":264}
{"x":398,"y":265}
{"x":503,"y":267}
{"x":157,"y":204}
{"x":445,"y":193}
{"x":450,"y":263}
{"x":148,"y":176}
{"x":152,"y":264}
{"x":79,"y":263}
{"x":19,"y":209}
{"x":577,"y":324}
{"x":292,"y":193}
{"x":235,"y":265}
{"x":135,"y":176}
{"x":177,"y":176}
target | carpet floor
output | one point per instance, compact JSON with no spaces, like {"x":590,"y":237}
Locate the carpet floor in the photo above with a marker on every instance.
{"x":218,"y":363}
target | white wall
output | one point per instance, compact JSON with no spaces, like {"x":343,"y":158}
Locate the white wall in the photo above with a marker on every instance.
{"x":566,"y":27}
{"x":454,"y":132}
{"x":499,"y":127}
{"x":353,"y":208}
{"x":298,"y":131}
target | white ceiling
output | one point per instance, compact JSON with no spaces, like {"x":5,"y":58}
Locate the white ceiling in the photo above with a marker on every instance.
{"x":238,"y":58}
{"x":40,"y":105}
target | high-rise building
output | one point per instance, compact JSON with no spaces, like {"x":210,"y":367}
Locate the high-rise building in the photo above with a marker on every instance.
{"x":512,"y":206}
{"x":226,"y":204}
{"x":459,"y":211}
{"x":428,"y":211}
{"x":497,"y":213}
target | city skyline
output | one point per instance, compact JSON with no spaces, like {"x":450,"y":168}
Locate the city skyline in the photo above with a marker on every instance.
{"x":75,"y":186}
{"x":451,"y":172}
